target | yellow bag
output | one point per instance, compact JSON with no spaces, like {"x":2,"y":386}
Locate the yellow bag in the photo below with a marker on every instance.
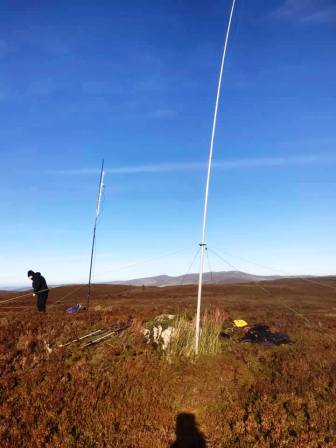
{"x":240,"y":323}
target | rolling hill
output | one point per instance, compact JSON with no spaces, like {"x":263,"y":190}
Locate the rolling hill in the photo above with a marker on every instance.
{"x":216,"y":278}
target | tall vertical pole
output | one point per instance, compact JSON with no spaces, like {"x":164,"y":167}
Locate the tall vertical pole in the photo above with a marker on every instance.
{"x":99,"y":198}
{"x":203,"y":244}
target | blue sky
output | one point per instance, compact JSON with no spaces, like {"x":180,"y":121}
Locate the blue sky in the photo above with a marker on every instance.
{"x":135,"y":82}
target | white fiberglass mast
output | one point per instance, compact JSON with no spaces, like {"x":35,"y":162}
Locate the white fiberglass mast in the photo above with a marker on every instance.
{"x":203,"y":242}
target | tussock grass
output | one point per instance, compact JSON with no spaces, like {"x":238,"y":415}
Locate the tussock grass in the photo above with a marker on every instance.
{"x":183,"y":339}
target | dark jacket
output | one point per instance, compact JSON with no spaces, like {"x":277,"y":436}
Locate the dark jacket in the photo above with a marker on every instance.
{"x":39,"y":283}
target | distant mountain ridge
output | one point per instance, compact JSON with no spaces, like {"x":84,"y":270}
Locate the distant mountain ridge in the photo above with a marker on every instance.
{"x":214,"y":278}
{"x":209,"y":278}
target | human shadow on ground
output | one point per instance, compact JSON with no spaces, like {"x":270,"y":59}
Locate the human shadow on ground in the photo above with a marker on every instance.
{"x":187,"y":433}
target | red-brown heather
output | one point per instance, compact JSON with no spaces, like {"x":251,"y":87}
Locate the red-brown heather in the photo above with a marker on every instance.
{"x":124,"y":394}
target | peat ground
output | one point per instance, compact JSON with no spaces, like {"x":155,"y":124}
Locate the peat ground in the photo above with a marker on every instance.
{"x":124,"y":394}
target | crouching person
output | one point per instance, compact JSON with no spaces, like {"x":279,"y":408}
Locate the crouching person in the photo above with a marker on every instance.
{"x":40,"y":290}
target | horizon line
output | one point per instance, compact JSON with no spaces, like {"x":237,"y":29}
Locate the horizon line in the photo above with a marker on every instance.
{"x":9,"y":288}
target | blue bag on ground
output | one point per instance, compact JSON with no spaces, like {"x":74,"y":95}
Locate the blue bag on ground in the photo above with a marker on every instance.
{"x":74,"y":309}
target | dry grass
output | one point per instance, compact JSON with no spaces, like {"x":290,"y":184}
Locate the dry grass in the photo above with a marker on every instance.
{"x":123,"y":394}
{"x":183,"y":340}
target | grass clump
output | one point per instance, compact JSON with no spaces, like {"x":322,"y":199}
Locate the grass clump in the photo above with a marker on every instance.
{"x":182,"y":342}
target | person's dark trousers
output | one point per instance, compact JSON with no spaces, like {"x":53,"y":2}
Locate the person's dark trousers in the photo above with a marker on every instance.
{"x":41,"y":302}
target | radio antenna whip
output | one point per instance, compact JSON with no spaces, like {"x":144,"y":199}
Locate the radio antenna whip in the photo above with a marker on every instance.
{"x":203,"y":242}
{"x":98,"y":207}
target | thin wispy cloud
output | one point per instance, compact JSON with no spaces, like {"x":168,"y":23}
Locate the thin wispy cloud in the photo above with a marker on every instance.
{"x":307,"y":11}
{"x":327,"y":15}
{"x":248,"y":163}
{"x":163,"y":113}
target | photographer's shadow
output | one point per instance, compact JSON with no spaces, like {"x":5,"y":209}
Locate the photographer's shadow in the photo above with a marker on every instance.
{"x":187,"y":433}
